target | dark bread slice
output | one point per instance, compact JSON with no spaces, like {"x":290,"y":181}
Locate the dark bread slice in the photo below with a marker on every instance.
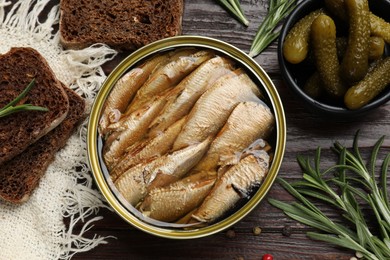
{"x":121,"y":24}
{"x":17,"y":131}
{"x":21,"y":175}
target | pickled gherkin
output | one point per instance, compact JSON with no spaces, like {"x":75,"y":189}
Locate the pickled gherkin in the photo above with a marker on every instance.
{"x":367,"y":89}
{"x":336,"y":8}
{"x":376,"y":47}
{"x":296,"y":43}
{"x":355,"y":61}
{"x":323,"y":36}
{"x":313,"y":86}
{"x":380,"y":27}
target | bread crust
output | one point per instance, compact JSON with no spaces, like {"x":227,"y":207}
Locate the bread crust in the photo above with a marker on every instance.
{"x":21,"y":175}
{"x":121,"y":24}
{"x":17,"y":131}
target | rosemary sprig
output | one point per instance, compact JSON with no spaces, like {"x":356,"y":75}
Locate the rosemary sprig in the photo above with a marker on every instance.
{"x":12,"y":106}
{"x":353,"y":186}
{"x":235,"y":8}
{"x":269,"y":30}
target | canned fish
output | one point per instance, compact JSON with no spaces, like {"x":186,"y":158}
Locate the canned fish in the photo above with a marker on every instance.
{"x":186,"y":137}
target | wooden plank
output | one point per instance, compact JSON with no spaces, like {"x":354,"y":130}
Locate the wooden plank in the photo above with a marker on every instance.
{"x":305,"y":132}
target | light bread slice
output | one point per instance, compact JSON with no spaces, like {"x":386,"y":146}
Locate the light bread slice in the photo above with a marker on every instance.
{"x":17,"y":131}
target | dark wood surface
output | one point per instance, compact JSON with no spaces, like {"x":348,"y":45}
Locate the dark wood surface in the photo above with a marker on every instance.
{"x":305,"y":132}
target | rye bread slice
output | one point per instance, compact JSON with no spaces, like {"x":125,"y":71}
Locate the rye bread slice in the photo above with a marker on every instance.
{"x":20,"y":175}
{"x":17,"y":131}
{"x":121,"y":24}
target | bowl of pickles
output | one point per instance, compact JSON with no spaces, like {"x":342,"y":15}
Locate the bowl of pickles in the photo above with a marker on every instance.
{"x":335,"y":55}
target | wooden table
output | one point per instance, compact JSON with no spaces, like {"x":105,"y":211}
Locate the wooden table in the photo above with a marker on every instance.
{"x":305,"y":132}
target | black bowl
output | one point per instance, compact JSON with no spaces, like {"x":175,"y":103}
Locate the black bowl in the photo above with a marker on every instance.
{"x":295,"y":75}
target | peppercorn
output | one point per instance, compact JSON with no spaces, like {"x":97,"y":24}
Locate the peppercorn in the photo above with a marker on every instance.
{"x":256,"y":231}
{"x":286,"y":231}
{"x":230,"y":233}
{"x":268,"y":257}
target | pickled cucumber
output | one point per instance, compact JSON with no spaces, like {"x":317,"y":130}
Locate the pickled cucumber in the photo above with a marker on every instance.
{"x":354,"y":65}
{"x":337,"y":8}
{"x":380,"y":27}
{"x":367,"y":89}
{"x":313,"y":86}
{"x":323,"y":36}
{"x":296,"y":43}
{"x":375,"y":50}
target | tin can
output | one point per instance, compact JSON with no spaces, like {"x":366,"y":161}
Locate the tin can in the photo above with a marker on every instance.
{"x":94,"y":141}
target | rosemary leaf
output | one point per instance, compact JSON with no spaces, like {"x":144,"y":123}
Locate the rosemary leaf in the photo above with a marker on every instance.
{"x":308,"y":221}
{"x":297,"y":195}
{"x":351,"y":189}
{"x":354,"y":190}
{"x":26,"y":107}
{"x":381,"y":206}
{"x":382,"y":226}
{"x":342,"y":160}
{"x":235,"y":8}
{"x":387,"y":242}
{"x":343,"y":241}
{"x":372,"y":245}
{"x":336,"y":240}
{"x":317,"y":195}
{"x":351,"y":202}
{"x":268,"y":30}
{"x":305,"y":184}
{"x":383,"y":247}
{"x":385,"y":168}
{"x":11,"y":107}
{"x":21,"y":95}
{"x":357,"y":152}
{"x":374,"y":155}
{"x":295,"y":213}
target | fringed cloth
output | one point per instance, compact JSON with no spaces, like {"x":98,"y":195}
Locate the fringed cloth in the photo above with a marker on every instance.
{"x":36,"y":229}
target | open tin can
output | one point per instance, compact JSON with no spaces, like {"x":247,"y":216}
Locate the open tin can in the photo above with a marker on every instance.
{"x":95,"y":141}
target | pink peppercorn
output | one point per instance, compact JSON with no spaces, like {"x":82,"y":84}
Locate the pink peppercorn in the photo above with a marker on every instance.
{"x":267,"y":257}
